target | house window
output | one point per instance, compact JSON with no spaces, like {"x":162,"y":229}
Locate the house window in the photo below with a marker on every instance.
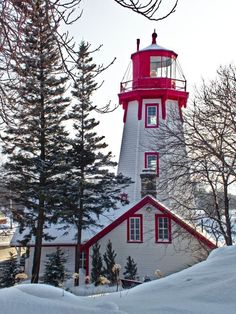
{"x":134,"y":228}
{"x":151,"y":161}
{"x":83,"y":259}
{"x":163,"y":229}
{"x":151,"y":117}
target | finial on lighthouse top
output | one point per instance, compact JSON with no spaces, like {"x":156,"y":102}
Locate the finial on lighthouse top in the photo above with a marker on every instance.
{"x":154,"y":37}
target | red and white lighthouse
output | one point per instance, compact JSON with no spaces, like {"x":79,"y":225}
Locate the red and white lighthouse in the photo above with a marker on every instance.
{"x":157,"y":86}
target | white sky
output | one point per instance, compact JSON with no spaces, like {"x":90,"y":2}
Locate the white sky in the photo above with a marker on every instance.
{"x":201,"y":32}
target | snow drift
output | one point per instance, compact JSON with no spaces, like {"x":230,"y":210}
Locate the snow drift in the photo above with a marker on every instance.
{"x":208,"y":287}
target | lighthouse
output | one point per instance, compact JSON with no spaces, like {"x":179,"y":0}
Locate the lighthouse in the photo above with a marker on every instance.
{"x":155,"y":96}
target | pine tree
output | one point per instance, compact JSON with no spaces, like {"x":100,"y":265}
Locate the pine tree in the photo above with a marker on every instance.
{"x":9,"y":271}
{"x":109,"y":259}
{"x":96,"y":270}
{"x":35,"y":145}
{"x":130,"y":269}
{"x":55,"y":272}
{"x":92,"y":187}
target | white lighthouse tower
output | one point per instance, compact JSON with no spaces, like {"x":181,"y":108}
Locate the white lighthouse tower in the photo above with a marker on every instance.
{"x":157,"y":86}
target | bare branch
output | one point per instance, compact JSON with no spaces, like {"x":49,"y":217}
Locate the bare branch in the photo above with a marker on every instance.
{"x":198,"y":157}
{"x":149,"y":9}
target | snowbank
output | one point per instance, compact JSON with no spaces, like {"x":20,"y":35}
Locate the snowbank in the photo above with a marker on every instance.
{"x":38,"y":299}
{"x":208,"y":287}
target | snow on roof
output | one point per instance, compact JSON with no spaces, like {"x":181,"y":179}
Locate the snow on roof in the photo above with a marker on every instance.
{"x":66,"y":236}
{"x":153,"y":47}
{"x":61,"y":236}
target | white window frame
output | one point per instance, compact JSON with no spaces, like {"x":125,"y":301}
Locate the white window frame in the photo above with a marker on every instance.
{"x":163,"y":232}
{"x":151,"y":116}
{"x":135,"y":232}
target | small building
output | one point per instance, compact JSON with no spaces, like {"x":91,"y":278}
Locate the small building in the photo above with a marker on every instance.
{"x":147,"y":231}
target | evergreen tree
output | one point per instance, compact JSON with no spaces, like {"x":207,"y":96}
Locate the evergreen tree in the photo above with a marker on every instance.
{"x":130,"y":269}
{"x":35,"y":145}
{"x":109,"y":259}
{"x":92,"y":187}
{"x":9,"y":271}
{"x":96,"y":270}
{"x":55,"y":268}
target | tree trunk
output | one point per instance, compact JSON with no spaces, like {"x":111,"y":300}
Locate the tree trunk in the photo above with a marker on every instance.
{"x":38,"y":247}
{"x":228,"y":239}
{"x":42,"y":183}
{"x":77,"y":260}
{"x":78,"y":244}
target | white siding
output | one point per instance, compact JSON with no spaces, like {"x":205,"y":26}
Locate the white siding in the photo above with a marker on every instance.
{"x":69,"y":255}
{"x":136,"y":141}
{"x":149,"y":255}
{"x":129,"y":157}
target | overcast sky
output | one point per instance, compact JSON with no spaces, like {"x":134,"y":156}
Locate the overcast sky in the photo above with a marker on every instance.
{"x":201,"y":32}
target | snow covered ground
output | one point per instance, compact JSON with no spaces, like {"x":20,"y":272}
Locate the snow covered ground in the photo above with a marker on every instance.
{"x":208,"y":287}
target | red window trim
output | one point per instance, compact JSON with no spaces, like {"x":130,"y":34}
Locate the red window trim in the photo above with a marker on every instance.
{"x":146,"y":115}
{"x":141,"y":228}
{"x":146,"y":154}
{"x":156,"y":228}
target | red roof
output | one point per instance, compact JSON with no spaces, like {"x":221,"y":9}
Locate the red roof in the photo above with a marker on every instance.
{"x":149,"y":200}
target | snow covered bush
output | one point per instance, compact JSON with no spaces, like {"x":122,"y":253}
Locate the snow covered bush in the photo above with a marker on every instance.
{"x":96,"y":270}
{"x":130,"y":269}
{"x":55,"y":272}
{"x":9,"y":272}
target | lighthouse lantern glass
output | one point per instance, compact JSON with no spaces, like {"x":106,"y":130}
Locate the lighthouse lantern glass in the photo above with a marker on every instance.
{"x":155,"y":67}
{"x":161,"y":66}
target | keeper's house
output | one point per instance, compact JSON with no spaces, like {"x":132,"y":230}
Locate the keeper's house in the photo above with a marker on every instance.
{"x":147,"y":231}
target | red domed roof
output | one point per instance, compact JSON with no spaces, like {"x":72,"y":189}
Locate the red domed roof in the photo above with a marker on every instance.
{"x":154,"y":47}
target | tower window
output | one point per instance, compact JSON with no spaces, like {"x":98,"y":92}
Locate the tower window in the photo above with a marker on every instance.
{"x":163,"y":229}
{"x":151,"y":161}
{"x":134,"y":229}
{"x":151,"y":117}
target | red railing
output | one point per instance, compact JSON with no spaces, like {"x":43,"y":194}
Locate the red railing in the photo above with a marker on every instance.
{"x":157,"y":83}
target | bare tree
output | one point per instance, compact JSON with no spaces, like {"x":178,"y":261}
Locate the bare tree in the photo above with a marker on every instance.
{"x":13,"y":14}
{"x":199,"y":156}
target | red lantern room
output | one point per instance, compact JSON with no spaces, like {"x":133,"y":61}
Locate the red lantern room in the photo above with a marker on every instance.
{"x":154,"y":66}
{"x":156,"y":72}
